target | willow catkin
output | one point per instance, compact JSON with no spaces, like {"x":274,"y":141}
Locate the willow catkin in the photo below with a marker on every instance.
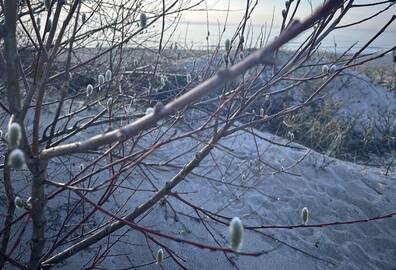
{"x":236,"y":233}
{"x":89,"y":90}
{"x":159,"y":256}
{"x":16,"y":158}
{"x":305,"y":215}
{"x":143,"y":20}
{"x":332,"y":69}
{"x":14,"y":135}
{"x":149,"y":110}
{"x":108,"y":75}
{"x":19,"y":202}
{"x":29,"y":203}
{"x":227,"y":45}
{"x":325,"y":69}
{"x":101,"y":79}
{"x":109,"y":102}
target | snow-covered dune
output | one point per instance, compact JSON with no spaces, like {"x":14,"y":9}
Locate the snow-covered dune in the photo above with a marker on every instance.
{"x":236,"y":180}
{"x":246,"y":176}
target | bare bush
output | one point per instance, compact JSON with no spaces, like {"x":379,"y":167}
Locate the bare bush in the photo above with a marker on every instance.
{"x":93,"y":89}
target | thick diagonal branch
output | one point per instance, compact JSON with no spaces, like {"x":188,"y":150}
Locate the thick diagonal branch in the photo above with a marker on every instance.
{"x":134,"y":214}
{"x":262,"y":56}
{"x":123,"y":133}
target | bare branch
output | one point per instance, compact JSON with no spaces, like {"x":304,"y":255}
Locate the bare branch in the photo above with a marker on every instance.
{"x":263,"y":56}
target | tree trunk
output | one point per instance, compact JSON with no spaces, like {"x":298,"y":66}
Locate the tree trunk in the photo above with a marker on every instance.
{"x":39,"y":171}
{"x":10,"y":211}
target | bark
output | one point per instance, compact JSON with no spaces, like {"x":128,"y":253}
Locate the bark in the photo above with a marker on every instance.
{"x":10,"y":211}
{"x":39,"y":170}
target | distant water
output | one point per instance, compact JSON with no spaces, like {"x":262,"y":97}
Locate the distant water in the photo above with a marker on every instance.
{"x":193,"y":35}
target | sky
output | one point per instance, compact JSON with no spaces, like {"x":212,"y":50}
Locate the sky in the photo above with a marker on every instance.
{"x":265,"y":8}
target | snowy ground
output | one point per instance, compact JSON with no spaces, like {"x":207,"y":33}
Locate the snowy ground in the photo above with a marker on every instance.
{"x":236,"y":181}
{"x":360,"y":100}
{"x":265,"y":184}
{"x":232,"y":183}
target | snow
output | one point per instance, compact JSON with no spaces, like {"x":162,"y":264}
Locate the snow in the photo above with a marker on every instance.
{"x":332,"y":190}
{"x":361,"y":99}
{"x":263,"y":184}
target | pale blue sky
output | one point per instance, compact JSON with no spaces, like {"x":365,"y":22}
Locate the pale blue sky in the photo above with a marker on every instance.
{"x":263,"y":12}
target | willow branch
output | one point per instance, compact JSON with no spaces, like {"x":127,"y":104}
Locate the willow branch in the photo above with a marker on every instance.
{"x":263,"y":56}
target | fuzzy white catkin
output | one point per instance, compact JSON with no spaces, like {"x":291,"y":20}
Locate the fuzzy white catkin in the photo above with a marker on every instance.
{"x":109,"y":102}
{"x":236,"y":233}
{"x":14,"y":135}
{"x":290,"y":135}
{"x":17,"y":158}
{"x":241,"y":56}
{"x":101,"y":79}
{"x":325,"y":69}
{"x":19,"y":202}
{"x":305,"y":215}
{"x":108,"y":75}
{"x":188,"y":78}
{"x":227,"y":45}
{"x":333,"y":69}
{"x":29,"y":203}
{"x":143,"y":20}
{"x":89,"y":90}
{"x":159,"y":256}
{"x":262,"y":112}
{"x":149,"y":110}
{"x":163,"y":81}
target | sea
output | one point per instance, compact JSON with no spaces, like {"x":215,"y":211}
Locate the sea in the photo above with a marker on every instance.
{"x":193,"y":35}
